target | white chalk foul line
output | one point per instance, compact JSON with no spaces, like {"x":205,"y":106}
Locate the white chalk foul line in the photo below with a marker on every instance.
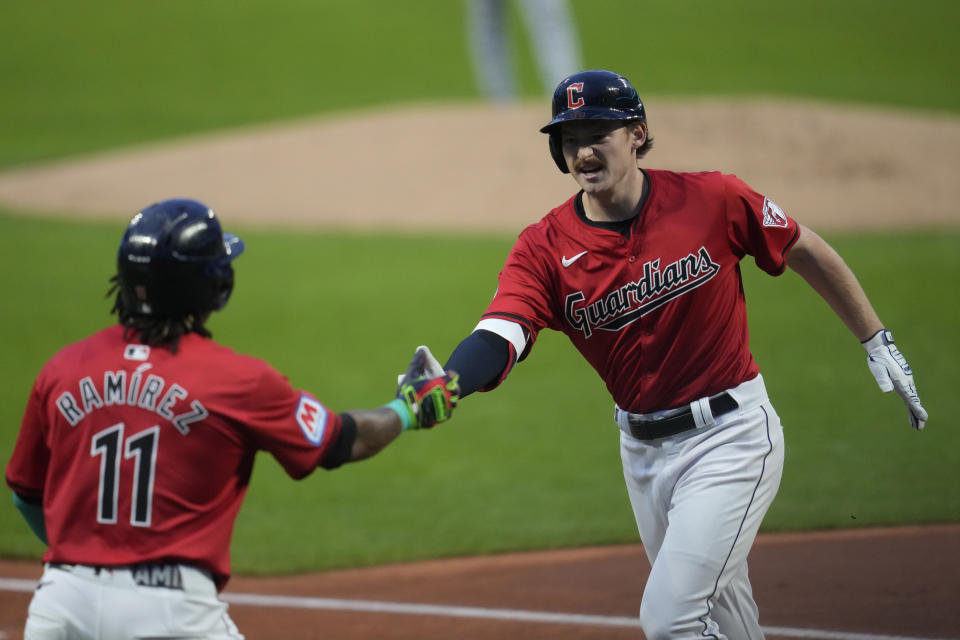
{"x":819,"y":634}
{"x":484,"y":613}
{"x":15,"y":584}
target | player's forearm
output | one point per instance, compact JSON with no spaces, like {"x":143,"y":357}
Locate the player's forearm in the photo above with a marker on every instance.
{"x":827,"y":273}
{"x":376,"y":429}
{"x":479,"y":359}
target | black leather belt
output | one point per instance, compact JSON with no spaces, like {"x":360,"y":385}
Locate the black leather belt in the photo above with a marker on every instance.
{"x":653,"y":429}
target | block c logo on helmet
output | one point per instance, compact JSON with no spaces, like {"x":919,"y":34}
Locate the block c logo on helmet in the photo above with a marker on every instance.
{"x":574,"y":95}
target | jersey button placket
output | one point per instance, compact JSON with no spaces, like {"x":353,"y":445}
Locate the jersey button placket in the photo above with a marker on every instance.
{"x":622,"y":242}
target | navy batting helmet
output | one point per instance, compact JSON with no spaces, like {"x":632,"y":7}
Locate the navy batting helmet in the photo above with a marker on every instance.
{"x":591,"y":95}
{"x":174,"y":259}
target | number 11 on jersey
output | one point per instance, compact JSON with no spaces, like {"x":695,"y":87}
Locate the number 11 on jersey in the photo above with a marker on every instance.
{"x":143,"y":448}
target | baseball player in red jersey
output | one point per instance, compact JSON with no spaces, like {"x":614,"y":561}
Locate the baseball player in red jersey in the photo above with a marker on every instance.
{"x":138,"y":443}
{"x":641,"y":270}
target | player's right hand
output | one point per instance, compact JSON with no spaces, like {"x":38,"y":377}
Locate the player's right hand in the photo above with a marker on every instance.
{"x":430,"y":400}
{"x":892,"y":372}
{"x":428,"y":395}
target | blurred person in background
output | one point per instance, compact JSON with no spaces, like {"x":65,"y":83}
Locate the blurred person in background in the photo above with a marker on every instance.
{"x":553,"y":37}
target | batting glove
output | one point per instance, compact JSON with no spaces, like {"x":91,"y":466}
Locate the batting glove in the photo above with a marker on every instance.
{"x":427,"y":366}
{"x":891,"y":370}
{"x":426,"y":399}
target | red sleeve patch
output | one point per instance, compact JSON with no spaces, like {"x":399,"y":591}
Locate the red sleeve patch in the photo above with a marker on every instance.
{"x":773,"y":216}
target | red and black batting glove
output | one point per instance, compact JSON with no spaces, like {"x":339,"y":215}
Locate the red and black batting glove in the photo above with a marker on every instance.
{"x":430,"y":400}
{"x":427,"y":400}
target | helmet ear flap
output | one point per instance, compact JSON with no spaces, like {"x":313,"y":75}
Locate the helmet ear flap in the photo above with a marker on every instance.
{"x":223,"y":287}
{"x":556,"y":152}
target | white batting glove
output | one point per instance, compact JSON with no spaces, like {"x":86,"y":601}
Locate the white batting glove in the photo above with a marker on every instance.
{"x":891,"y":370}
{"x":431,"y":369}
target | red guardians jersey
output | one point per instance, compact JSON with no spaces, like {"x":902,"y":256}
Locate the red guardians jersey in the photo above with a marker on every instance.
{"x":140,"y":454}
{"x":658,"y":310}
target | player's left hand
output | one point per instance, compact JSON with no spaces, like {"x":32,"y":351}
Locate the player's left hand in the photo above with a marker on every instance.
{"x":429,"y":399}
{"x":891,"y":370}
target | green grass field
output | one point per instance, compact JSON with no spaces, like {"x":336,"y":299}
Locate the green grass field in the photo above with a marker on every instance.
{"x":535,"y":464}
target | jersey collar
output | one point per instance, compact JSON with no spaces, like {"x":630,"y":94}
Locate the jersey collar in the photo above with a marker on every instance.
{"x":622,"y":227}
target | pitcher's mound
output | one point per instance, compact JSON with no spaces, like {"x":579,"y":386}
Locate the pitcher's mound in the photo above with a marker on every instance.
{"x":487,"y":167}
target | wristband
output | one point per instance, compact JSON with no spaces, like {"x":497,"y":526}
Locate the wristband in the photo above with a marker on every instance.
{"x":33,"y":513}
{"x":400,"y":408}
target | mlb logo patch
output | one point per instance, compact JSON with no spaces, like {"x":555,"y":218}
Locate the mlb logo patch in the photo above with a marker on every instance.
{"x":138,"y":352}
{"x":312,"y":418}
{"x":773,"y":216}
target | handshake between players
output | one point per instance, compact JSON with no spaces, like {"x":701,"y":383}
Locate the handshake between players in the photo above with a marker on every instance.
{"x":426,"y":393}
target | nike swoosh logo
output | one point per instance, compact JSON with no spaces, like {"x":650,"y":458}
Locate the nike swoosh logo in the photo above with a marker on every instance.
{"x":566,"y":262}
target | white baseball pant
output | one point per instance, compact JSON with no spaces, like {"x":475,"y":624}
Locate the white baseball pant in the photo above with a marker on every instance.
{"x":86,"y":603}
{"x":699,"y":498}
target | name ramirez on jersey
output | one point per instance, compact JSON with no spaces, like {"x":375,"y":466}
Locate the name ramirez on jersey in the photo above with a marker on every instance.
{"x":143,"y":389}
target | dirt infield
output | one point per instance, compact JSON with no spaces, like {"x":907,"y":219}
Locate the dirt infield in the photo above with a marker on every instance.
{"x":483,"y":168}
{"x":851,"y":585}
{"x":487,"y":168}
